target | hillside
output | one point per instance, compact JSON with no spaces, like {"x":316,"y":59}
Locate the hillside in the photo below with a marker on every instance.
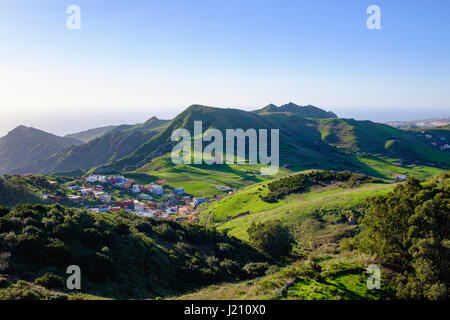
{"x":90,"y":134}
{"x":325,"y":205}
{"x":319,"y":217}
{"x":340,"y":231}
{"x":13,"y":191}
{"x":120,"y":255}
{"x":113,"y":145}
{"x":308,"y":111}
{"x":333,"y":144}
{"x":23,"y":145}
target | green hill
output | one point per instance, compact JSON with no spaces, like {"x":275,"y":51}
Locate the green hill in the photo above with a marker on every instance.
{"x":23,"y":145}
{"x":13,"y":190}
{"x":331,"y":144}
{"x":308,"y":111}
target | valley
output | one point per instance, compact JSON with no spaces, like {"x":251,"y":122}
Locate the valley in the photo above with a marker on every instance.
{"x":140,"y":226}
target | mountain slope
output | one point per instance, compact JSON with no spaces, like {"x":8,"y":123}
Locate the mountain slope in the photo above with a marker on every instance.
{"x":308,"y":111}
{"x":113,"y":145}
{"x":305,"y":143}
{"x":23,"y":145}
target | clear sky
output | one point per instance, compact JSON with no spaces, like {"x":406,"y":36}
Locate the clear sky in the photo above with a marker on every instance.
{"x":134,"y":59}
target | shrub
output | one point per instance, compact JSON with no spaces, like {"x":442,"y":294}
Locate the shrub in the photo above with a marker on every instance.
{"x":256,"y":269}
{"x":271,"y":237}
{"x":50,"y":281}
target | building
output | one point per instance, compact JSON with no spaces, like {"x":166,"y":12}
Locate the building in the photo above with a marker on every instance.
{"x":184,"y":210}
{"x":178,"y":191}
{"x":85,"y":191}
{"x":139,"y":206}
{"x":198,"y":201}
{"x":74,"y":198}
{"x":156,"y":189}
{"x":105,"y":198}
{"x":125,"y":204}
{"x":54,"y":198}
{"x":136,"y":188}
{"x":145,"y":196}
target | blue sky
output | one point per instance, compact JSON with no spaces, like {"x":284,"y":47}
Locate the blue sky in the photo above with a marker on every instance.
{"x":135,"y":59}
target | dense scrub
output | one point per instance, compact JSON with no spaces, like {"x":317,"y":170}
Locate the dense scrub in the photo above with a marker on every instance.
{"x":409,"y":229}
{"x":119,"y":255}
{"x":302,"y":181}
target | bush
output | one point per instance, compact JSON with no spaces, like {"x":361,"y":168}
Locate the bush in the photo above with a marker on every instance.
{"x":256,"y":269}
{"x":50,"y":281}
{"x":271,"y":237}
{"x":3,"y":211}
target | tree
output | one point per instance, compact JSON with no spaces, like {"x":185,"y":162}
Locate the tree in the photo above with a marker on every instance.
{"x":271,"y":237}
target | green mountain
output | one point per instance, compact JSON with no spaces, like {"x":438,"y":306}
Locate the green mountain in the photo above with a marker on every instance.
{"x":308,"y":111}
{"x":305,"y":143}
{"x":91,"y":134}
{"x":23,"y":145}
{"x":111,"y":146}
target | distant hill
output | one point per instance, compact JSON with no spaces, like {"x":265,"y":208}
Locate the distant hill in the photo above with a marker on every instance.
{"x":24,"y":145}
{"x":111,"y":146}
{"x":305,"y":143}
{"x":13,"y":191}
{"x":434,"y":122}
{"x":90,"y":134}
{"x":308,"y":111}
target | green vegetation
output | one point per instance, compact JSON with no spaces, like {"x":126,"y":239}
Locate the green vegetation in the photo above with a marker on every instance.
{"x":120,"y":255}
{"x":201,"y":180}
{"x":336,"y":278}
{"x":409,"y":228}
{"x":300,"y":182}
{"x":305,"y":143}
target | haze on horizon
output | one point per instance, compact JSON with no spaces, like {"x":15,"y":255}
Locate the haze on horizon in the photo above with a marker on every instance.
{"x":129,"y":62}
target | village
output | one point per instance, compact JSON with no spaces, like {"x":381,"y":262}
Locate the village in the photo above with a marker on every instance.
{"x":157,"y":200}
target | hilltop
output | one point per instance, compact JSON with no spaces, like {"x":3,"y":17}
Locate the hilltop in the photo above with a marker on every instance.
{"x":90,"y":134}
{"x":305,"y":143}
{"x":308,"y":111}
{"x":115,"y":144}
{"x":120,"y":255}
{"x":24,"y":145}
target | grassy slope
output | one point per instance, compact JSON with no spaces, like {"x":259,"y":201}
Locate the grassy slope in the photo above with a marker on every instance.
{"x":343,"y":278}
{"x":333,"y":144}
{"x":318,"y":219}
{"x":201,"y":180}
{"x":294,"y":210}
